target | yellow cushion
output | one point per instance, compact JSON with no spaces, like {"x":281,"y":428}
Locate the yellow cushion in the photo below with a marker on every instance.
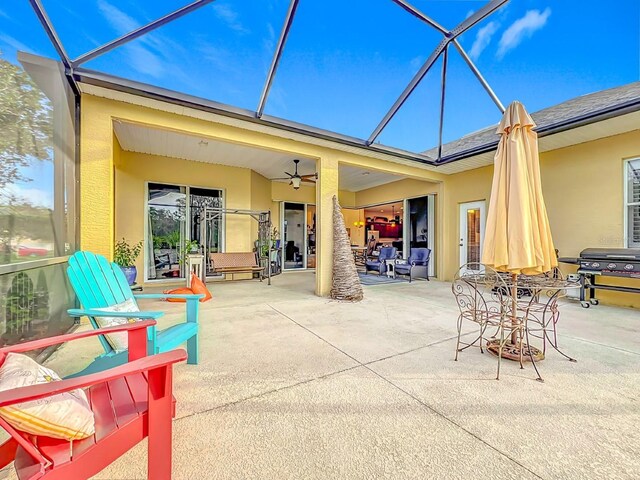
{"x":65,"y":415}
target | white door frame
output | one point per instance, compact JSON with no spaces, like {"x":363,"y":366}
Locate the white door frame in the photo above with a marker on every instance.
{"x":482,"y":206}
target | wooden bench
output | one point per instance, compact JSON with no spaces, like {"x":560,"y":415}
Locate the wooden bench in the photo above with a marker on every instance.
{"x":236,"y":262}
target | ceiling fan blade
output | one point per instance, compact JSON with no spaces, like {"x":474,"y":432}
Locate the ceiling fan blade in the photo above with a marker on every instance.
{"x":311,"y":175}
{"x":308,"y":180}
{"x":289,"y":174}
{"x":281,"y":178}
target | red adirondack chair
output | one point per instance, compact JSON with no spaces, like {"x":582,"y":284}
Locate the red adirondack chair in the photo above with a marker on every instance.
{"x":129,"y":402}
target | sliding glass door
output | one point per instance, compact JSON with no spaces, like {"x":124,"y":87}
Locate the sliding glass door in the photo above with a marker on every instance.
{"x":166,"y":225}
{"x":419,"y":225}
{"x":199,"y":199}
{"x":294,"y":230}
{"x":174,"y":224}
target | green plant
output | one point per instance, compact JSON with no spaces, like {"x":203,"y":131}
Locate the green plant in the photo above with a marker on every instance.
{"x":189,"y":247}
{"x":159,"y":241}
{"x":125,"y":255}
{"x":20,"y":308}
{"x":173,"y":239}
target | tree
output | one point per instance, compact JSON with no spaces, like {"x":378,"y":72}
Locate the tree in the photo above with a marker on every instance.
{"x":26,"y":134}
{"x":25,"y":123}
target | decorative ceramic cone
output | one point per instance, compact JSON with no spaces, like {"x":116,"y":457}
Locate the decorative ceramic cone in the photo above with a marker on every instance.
{"x":346,"y":283}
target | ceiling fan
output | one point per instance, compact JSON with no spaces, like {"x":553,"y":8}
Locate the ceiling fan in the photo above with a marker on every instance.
{"x":296,"y":179}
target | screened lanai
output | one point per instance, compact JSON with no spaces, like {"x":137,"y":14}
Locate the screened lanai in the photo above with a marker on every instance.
{"x":402,"y":81}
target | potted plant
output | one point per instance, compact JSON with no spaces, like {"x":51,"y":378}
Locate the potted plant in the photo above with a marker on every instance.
{"x":190,"y":246}
{"x":125,"y":256}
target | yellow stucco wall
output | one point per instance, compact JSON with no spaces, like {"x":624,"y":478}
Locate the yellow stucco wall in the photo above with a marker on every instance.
{"x":395,"y":191}
{"x":583,"y":187}
{"x":352,"y":215}
{"x":136,"y":169}
{"x":98,"y":173}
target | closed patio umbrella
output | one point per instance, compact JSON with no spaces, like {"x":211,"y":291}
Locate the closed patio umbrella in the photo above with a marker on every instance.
{"x":517,"y":235}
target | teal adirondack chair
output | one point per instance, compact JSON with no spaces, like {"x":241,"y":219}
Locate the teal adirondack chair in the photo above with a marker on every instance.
{"x":100,"y":284}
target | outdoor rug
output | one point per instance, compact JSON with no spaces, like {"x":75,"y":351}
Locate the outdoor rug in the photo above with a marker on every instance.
{"x":375,"y":279}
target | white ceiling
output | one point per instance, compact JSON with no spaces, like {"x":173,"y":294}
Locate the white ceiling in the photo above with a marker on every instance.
{"x":268,"y":163}
{"x":355,"y":179}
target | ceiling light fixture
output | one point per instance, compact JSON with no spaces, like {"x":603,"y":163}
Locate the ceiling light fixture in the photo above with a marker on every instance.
{"x":203,"y":143}
{"x":295,"y":181}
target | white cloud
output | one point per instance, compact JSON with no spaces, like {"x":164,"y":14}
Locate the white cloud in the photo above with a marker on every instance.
{"x":522,"y":28}
{"x":119,"y":21}
{"x":483,"y":39}
{"x":148,"y":53}
{"x":14,"y":43}
{"x":229,"y":16}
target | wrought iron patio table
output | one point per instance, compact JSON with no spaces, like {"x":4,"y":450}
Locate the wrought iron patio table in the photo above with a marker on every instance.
{"x":539,"y":315}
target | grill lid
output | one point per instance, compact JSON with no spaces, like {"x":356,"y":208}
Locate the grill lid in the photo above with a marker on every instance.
{"x":631,"y":254}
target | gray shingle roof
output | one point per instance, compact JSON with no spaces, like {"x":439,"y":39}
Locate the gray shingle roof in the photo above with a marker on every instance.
{"x":563,"y":113}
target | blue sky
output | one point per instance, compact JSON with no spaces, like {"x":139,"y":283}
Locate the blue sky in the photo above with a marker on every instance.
{"x":347,"y":61}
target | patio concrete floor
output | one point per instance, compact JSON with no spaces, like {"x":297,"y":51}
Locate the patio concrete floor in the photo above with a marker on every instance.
{"x":292,"y":386}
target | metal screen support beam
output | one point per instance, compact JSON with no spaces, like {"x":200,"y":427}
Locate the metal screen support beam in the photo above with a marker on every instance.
{"x":139,"y":32}
{"x":408,"y":90}
{"x":445,"y":56}
{"x":479,"y":76}
{"x":55,"y":40}
{"x":465,"y":25}
{"x":418,"y":14}
{"x":276,"y":56}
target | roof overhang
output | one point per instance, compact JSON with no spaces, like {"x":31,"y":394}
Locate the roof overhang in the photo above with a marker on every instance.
{"x":605,"y":123}
{"x":601,"y":115}
{"x":116,"y":88}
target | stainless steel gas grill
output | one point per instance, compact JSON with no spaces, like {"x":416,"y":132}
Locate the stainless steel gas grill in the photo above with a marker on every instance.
{"x":606,"y":262}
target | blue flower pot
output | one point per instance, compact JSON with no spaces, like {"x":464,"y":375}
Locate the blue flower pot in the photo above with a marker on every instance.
{"x":130,"y":274}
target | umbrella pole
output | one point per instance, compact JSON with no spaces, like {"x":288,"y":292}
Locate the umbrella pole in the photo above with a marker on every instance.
{"x":514,"y":308}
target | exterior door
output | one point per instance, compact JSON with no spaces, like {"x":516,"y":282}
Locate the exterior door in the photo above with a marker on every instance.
{"x":294,"y":235}
{"x":472,"y":223}
{"x":419,"y":215}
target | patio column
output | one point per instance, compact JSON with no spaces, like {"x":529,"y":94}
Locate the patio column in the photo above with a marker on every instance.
{"x":326,"y":188}
{"x":96,"y":173}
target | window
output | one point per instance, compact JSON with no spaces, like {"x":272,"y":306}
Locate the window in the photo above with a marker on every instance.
{"x":37,"y":197}
{"x":632,"y":202}
{"x":175,"y":216}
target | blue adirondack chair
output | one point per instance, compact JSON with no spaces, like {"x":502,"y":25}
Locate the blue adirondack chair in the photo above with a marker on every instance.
{"x":100,"y":284}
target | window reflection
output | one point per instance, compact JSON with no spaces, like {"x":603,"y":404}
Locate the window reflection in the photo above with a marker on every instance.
{"x":37,"y":197}
{"x":36,"y":161}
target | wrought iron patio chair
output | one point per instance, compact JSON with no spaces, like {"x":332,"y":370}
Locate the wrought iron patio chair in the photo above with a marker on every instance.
{"x":483,"y":298}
